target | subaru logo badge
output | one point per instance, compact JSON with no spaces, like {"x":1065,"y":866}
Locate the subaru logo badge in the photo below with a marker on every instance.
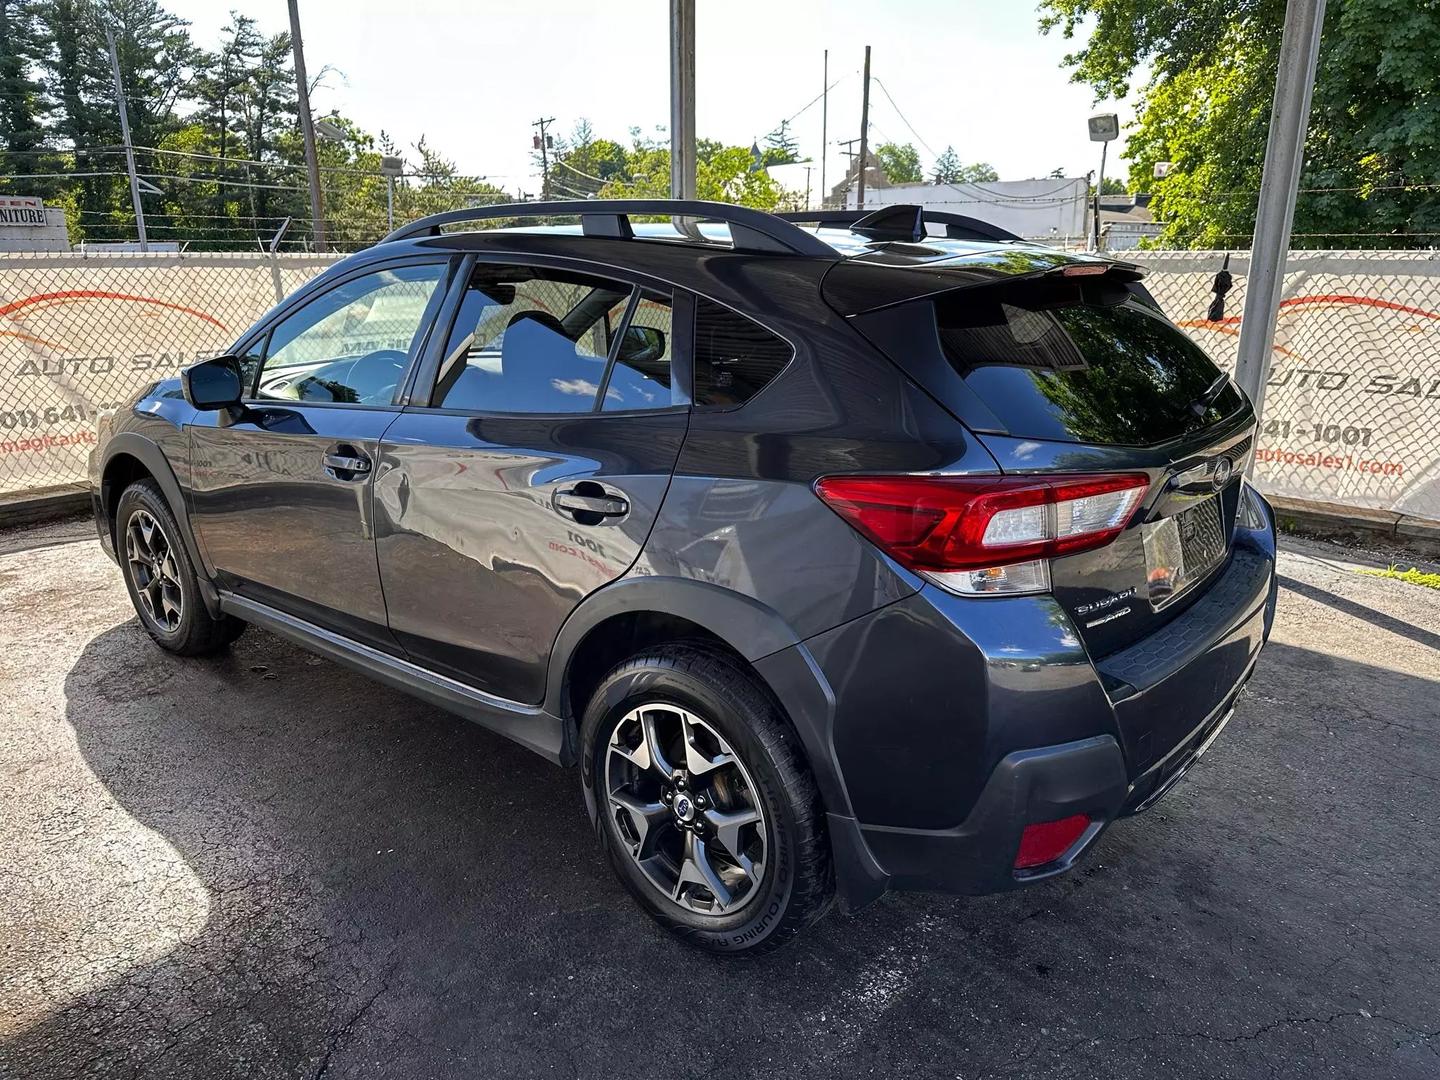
{"x":1224,"y":469}
{"x":683,"y":809}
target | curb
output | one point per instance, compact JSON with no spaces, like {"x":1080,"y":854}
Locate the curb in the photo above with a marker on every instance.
{"x":47,"y":504}
{"x":1337,"y":522}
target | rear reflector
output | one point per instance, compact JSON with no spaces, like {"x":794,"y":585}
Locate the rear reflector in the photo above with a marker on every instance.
{"x":941,"y":525}
{"x":1046,"y":842}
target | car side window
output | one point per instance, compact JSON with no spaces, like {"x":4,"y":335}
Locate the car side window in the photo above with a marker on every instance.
{"x":531,"y":339}
{"x":735,"y":358}
{"x":640,"y":375}
{"x":350,"y":345}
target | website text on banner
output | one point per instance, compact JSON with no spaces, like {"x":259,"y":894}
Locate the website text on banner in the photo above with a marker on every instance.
{"x":79,"y":334}
{"x":1352,"y":405}
{"x":1352,"y":408}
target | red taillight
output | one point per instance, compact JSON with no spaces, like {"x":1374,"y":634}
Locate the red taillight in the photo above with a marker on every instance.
{"x":953,"y":523}
{"x":1047,"y":841}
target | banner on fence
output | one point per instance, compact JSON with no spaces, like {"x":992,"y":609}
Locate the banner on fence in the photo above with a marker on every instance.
{"x":81,"y":333}
{"x":1352,"y":411}
{"x":1352,"y":406}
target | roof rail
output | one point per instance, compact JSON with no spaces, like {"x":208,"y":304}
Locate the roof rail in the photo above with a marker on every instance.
{"x":750,"y":230}
{"x":903,"y":221}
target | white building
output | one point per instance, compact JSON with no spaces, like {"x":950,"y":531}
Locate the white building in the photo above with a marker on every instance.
{"x":1051,"y":210}
{"x":27,"y":224}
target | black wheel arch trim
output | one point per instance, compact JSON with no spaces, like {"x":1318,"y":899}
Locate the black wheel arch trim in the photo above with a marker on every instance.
{"x":158,"y":466}
{"x":756,"y":632}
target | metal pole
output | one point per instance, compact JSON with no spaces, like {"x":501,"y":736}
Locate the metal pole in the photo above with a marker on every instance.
{"x":864,"y":128}
{"x":824,"y":123}
{"x":312,"y":163}
{"x":125,"y":137}
{"x":390,"y":202}
{"x":682,"y":99}
{"x":1099,"y":189}
{"x":1279,"y":183}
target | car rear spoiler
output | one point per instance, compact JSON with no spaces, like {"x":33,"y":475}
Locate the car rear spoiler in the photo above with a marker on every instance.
{"x":857,"y":285}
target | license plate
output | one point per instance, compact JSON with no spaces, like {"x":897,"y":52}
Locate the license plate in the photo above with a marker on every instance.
{"x":1181,"y":550}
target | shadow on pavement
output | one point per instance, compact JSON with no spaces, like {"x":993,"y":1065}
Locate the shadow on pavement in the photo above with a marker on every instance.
{"x":397,"y":893}
{"x":1363,"y":612}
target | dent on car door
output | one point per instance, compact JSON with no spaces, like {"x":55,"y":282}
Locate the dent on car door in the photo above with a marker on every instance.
{"x":531,"y":470}
{"x":282,"y":493}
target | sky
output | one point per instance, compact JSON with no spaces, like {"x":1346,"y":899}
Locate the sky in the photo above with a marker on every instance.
{"x":472,"y":77}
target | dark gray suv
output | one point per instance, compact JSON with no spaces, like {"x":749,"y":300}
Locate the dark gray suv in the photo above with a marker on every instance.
{"x":842,"y":553}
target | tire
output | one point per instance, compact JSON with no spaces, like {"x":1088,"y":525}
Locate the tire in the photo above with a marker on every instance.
{"x":161,"y":578}
{"x":662,"y":837}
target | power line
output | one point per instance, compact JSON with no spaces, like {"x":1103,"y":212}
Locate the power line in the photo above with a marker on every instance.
{"x":817,"y":97}
{"x":903,"y":119}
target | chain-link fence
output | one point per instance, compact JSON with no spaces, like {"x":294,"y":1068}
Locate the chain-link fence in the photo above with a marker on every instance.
{"x":1352,"y":405}
{"x":81,"y":333}
{"x":1351,"y":411}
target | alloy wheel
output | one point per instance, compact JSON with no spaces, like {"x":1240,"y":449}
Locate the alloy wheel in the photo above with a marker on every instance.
{"x":154,"y":570}
{"x":686,"y":809}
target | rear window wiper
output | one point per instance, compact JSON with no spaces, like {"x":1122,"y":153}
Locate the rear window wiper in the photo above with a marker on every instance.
{"x":1203,"y":402}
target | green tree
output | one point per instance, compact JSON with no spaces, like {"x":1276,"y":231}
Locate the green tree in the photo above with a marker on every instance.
{"x":157,"y":60}
{"x":947,"y":167}
{"x":901,"y":163}
{"x":950,"y":170}
{"x":1373,"y":143}
{"x":780,"y":146}
{"x":22,"y":99}
{"x":722,"y":173}
{"x":981,"y":172}
{"x":582,"y":164}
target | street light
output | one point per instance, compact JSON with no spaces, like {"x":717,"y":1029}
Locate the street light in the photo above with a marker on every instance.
{"x":1103,"y":128}
{"x":328,"y":129}
{"x":390,"y":168}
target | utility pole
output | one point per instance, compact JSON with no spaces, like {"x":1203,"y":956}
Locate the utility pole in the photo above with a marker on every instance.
{"x":125,"y":137}
{"x":542,"y":143}
{"x":1279,"y":184}
{"x":307,"y":128}
{"x":824,"y":122}
{"x":864,"y":128}
{"x":682,"y":99}
{"x":845,"y":148}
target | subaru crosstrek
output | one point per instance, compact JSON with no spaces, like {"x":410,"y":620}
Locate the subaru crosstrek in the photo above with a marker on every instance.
{"x":841,"y":553}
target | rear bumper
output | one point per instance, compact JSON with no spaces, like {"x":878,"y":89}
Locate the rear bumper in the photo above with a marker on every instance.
{"x":1084,"y":777}
{"x":1130,"y":727}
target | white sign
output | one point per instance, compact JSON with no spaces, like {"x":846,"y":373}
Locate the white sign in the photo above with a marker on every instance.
{"x":22,"y":210}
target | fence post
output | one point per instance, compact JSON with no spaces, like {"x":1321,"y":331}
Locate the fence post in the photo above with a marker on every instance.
{"x":1284,"y":152}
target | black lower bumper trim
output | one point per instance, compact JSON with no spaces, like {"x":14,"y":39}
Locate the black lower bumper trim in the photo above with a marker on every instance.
{"x":1027,"y":787}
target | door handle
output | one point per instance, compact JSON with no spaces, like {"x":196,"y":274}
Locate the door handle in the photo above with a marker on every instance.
{"x":573,"y":503}
{"x":355,"y":464}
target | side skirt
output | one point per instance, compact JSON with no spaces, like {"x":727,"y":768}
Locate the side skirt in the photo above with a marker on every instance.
{"x":528,"y":725}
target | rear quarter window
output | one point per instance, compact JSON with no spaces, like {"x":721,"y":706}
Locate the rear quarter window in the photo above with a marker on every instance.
{"x":735,"y":358}
{"x":1053,"y":364}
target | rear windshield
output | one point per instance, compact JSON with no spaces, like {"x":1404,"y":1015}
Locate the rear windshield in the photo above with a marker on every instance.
{"x":1059,"y":363}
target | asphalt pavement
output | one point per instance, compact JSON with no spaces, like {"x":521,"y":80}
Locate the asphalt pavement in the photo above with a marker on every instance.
{"x":264,"y":866}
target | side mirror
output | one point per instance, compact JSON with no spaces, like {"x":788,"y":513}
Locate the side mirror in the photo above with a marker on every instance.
{"x":213,"y":384}
{"x":642,"y":344}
